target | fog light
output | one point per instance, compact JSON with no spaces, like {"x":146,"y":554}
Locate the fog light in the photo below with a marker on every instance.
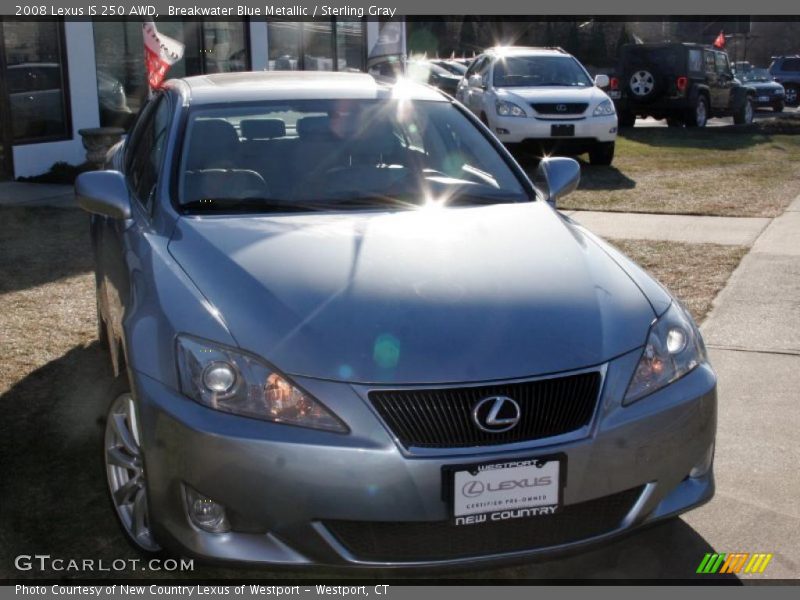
{"x":502,"y":131}
{"x":704,"y":466}
{"x":205,"y":513}
{"x":612,"y":130}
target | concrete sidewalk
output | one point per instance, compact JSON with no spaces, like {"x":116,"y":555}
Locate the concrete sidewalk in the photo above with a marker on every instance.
{"x":731,"y":231}
{"x":753,"y":334}
{"x":16,"y":193}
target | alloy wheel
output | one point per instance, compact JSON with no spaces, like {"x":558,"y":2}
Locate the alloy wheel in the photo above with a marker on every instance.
{"x":701,"y":114}
{"x":748,"y":112}
{"x":791,"y":95}
{"x":642,"y":83}
{"x":125,"y":471}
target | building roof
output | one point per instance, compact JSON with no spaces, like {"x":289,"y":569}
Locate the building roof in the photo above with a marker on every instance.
{"x":297,"y":85}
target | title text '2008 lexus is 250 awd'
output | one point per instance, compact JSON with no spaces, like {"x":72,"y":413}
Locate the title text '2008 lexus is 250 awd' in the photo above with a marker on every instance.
{"x":349,"y":330}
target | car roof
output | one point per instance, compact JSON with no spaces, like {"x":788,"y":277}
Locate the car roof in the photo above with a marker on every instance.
{"x":526,"y":51}
{"x":296,"y":85}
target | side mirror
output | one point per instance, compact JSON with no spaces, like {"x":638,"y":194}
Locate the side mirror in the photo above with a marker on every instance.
{"x":557,"y":177}
{"x":602,"y":81}
{"x":475,"y":81}
{"x":103,"y":193}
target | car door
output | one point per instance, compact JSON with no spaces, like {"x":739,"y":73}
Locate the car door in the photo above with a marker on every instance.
{"x":118,"y":241}
{"x":721,"y":100}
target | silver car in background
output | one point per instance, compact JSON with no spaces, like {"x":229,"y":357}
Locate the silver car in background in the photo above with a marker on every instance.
{"x":349,"y":330}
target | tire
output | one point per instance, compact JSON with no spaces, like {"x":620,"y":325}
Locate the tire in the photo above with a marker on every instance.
{"x":674,"y":122}
{"x":102,"y":329}
{"x":627,"y":119}
{"x":602,"y":154}
{"x":698,"y":114}
{"x":778,"y":106}
{"x":791,"y":95}
{"x":744,"y":114}
{"x":124,"y":468}
{"x":643,"y":83}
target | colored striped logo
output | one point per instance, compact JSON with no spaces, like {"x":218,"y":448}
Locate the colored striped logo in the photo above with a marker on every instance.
{"x":734,"y":562}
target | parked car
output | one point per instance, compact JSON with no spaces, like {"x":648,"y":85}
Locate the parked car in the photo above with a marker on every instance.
{"x":686,"y":84}
{"x":351,"y":331}
{"x":423,"y":71}
{"x":768,"y":92}
{"x":541,"y":97}
{"x":451,"y":65}
{"x":786,"y":71}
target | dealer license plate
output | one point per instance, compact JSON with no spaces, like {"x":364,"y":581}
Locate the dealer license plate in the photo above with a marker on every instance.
{"x":562,"y":130}
{"x":505,"y":490}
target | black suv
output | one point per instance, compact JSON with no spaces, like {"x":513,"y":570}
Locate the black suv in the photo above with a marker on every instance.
{"x":786,"y":70}
{"x":685,"y":84}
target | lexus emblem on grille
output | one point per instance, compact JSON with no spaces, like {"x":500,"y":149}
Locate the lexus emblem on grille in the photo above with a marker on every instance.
{"x":496,"y":414}
{"x":561,"y":107}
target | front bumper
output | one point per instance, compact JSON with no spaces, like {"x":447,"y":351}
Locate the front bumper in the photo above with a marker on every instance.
{"x":282,"y":484}
{"x":515,"y":130}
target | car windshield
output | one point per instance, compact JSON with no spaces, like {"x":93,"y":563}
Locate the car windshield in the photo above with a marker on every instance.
{"x":756,"y":75}
{"x":311,"y":155}
{"x":525,"y":71}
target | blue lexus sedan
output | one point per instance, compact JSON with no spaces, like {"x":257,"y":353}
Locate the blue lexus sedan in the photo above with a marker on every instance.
{"x":347,"y":329}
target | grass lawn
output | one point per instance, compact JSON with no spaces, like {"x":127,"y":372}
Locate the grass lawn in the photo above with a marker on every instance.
{"x":723,"y":171}
{"x":56,"y":382}
{"x":695,"y":273}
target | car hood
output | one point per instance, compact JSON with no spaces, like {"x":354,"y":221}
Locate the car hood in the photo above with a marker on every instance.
{"x":554,"y":94}
{"x":426,"y":296}
{"x":763,"y":85}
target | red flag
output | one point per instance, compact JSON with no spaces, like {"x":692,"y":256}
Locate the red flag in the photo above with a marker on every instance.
{"x":160,"y":53}
{"x":720,"y":41}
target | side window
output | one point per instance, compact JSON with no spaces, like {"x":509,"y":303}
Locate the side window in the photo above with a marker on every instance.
{"x":473,"y":68}
{"x":695,"y":60}
{"x":484,"y":69}
{"x":148,"y":152}
{"x":792,"y":64}
{"x":722,"y":63}
{"x":709,"y":59}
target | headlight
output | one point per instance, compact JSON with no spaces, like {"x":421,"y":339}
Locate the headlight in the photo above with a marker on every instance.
{"x":229,"y":381}
{"x":674,"y":347}
{"x":508,"y":109}
{"x":605,"y":108}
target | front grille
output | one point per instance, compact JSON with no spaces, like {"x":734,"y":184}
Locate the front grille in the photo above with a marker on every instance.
{"x":440,"y":540}
{"x":442,"y":418}
{"x":560,"y":108}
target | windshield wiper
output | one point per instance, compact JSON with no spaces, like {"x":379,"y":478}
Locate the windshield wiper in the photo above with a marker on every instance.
{"x":244,"y":205}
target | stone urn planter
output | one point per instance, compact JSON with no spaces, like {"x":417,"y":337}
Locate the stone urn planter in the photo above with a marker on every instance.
{"x":98,"y":141}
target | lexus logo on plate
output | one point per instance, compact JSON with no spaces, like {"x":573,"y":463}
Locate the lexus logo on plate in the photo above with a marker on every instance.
{"x":496,"y":414}
{"x":561,"y":107}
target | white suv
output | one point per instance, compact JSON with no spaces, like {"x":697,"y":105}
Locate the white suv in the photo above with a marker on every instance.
{"x":542,"y":97}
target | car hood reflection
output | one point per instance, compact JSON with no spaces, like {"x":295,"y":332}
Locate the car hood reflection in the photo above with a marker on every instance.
{"x":419,"y":296}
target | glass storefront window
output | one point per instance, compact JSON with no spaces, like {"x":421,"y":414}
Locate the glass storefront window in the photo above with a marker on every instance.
{"x":326,"y":45}
{"x":350,"y":45}
{"x":318,"y":46}
{"x":211,"y":47}
{"x":284,"y":45}
{"x":34,"y":73}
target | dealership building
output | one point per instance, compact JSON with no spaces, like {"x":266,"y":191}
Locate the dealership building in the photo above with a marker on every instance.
{"x":59,"y":77}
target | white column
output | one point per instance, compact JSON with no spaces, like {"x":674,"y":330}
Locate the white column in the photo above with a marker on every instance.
{"x":259,"y":45}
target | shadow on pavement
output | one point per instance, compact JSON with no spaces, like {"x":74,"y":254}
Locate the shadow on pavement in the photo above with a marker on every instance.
{"x":41,"y":245}
{"x":53,"y":497}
